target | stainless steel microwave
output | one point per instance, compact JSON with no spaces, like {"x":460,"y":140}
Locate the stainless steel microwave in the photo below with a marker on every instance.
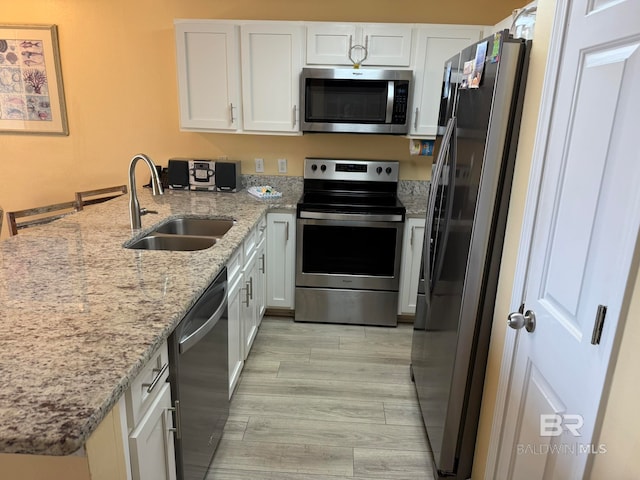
{"x":355,"y":100}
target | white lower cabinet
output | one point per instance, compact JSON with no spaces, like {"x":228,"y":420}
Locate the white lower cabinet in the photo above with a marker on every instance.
{"x":245,"y":298}
{"x":281,"y":258}
{"x":248,"y":302}
{"x":261,"y":279}
{"x":151,"y":443}
{"x":236,"y":355}
{"x":410,"y":268}
{"x":149,"y":421}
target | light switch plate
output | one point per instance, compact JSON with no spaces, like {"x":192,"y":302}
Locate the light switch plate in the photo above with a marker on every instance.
{"x":259,"y":165}
{"x":282,"y":165}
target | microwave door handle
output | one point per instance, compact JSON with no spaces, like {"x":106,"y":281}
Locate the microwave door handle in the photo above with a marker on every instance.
{"x":391,"y":95}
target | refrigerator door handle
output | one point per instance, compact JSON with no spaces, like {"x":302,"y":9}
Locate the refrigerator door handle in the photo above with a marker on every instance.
{"x":452,"y":150}
{"x":431,"y":205}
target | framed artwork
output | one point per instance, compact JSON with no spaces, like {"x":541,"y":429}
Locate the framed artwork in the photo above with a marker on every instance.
{"x":31,"y":92}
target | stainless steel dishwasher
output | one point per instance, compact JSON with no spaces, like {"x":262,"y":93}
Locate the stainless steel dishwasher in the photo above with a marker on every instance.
{"x":199,"y":380}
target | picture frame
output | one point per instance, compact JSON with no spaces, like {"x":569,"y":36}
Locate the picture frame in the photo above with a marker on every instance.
{"x":31,"y":90}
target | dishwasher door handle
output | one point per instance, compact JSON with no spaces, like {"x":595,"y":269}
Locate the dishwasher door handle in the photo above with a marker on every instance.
{"x":191,"y":340}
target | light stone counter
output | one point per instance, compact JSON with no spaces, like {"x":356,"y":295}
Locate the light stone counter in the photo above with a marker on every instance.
{"x":413,"y":194}
{"x":80,"y":314}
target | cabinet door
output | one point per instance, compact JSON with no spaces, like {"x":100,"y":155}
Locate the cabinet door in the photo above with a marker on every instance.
{"x":410,"y":270}
{"x":261,"y":280}
{"x":248,"y":302}
{"x":208,"y":75}
{"x":151,"y":443}
{"x":328,"y":43}
{"x":435,"y":45}
{"x":236,"y":344}
{"x":387,"y":45}
{"x":281,"y":256}
{"x":332,"y":43}
{"x":271,"y":64}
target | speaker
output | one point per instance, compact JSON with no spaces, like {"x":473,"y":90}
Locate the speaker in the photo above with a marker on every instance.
{"x":228,"y":177}
{"x":178,"y":174}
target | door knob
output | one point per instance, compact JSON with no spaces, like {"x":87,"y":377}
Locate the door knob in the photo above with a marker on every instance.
{"x":517,"y":320}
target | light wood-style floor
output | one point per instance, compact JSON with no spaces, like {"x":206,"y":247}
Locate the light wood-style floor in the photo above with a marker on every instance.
{"x":324,"y":402}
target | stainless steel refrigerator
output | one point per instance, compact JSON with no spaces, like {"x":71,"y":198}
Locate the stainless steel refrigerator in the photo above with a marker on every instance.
{"x":481,"y":106}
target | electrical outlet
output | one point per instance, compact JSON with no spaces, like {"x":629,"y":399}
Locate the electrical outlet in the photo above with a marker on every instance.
{"x":259,"y":165}
{"x":282,"y":165}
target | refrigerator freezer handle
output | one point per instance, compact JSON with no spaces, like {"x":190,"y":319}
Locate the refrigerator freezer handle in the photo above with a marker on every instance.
{"x":431,"y":205}
{"x":452,"y":150}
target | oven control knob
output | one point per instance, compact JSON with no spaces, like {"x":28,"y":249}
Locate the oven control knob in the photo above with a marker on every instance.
{"x":379,"y":170}
{"x":323,"y":167}
{"x":389,"y":170}
{"x":314,"y":167}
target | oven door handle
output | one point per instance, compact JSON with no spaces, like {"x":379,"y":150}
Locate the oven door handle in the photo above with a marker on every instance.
{"x":365,"y":217}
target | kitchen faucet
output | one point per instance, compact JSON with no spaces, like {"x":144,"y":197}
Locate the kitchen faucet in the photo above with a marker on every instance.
{"x":134,"y":206}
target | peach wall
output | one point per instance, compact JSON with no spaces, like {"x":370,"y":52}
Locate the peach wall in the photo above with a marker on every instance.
{"x":535,"y":78}
{"x":620,"y":429}
{"x":118,"y":66}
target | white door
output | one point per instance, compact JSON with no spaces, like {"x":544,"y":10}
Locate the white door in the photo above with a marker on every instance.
{"x":583,"y":237}
{"x":410,"y":270}
{"x":271,"y":64}
{"x":281,"y":256}
{"x":208,"y":59}
{"x":151,"y":443}
{"x":236,"y":343}
{"x":249,"y":304}
{"x":435,"y":45}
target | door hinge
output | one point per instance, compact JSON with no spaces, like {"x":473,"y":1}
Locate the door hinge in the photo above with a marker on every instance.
{"x":597,"y":327}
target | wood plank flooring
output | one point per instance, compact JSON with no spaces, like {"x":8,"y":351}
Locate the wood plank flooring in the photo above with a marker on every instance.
{"x":325,"y":402}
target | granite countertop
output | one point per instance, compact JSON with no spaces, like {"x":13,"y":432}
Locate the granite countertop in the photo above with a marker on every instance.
{"x":81,"y":314}
{"x":413,"y":194}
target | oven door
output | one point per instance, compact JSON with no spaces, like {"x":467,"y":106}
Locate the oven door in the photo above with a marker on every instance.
{"x":348,"y":251}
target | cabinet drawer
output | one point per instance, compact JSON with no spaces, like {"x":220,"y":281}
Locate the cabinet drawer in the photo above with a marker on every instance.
{"x":250,"y":242}
{"x":146,"y":386}
{"x":234,"y":265}
{"x":261,"y":230}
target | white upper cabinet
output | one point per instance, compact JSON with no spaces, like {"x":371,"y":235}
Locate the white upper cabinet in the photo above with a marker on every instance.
{"x":434,"y":45}
{"x":386,"y":45}
{"x":271,"y":64}
{"x":208,"y":75}
{"x":242,"y":76}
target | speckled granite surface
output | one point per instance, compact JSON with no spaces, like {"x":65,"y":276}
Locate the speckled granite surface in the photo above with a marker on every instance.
{"x":413,"y":194}
{"x":80,"y":314}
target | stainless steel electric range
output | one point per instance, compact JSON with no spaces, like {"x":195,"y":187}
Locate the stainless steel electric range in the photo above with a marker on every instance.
{"x":348,"y":244}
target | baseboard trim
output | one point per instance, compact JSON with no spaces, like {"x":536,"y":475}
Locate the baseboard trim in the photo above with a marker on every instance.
{"x":279,"y":312}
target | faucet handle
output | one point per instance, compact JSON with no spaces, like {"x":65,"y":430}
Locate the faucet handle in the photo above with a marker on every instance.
{"x":144,"y":211}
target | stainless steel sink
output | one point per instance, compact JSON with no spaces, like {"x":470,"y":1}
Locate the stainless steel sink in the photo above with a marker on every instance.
{"x":173,"y":242}
{"x":184,"y":234}
{"x":204,"y":227}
